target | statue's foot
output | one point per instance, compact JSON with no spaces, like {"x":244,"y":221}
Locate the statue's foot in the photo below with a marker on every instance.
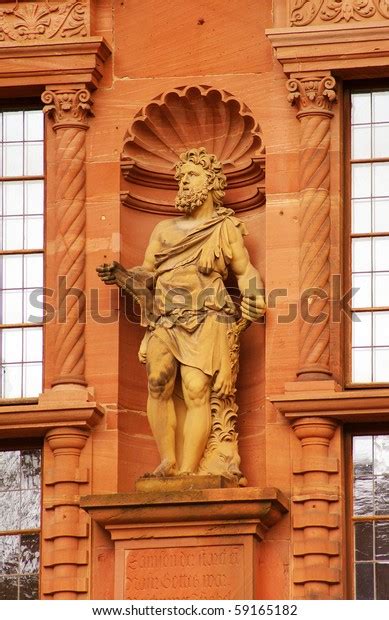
{"x":166,"y":468}
{"x":183,"y":474}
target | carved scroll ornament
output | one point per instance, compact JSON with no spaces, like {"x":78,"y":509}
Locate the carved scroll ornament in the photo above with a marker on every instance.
{"x":31,"y":21}
{"x":304,"y":12}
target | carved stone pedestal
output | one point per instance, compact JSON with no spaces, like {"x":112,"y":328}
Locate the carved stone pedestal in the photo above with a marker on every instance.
{"x":201,"y":544}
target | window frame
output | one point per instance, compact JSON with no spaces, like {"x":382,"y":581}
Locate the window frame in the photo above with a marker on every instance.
{"x":9,"y":445}
{"x":351,"y":431}
{"x":350,"y":87}
{"x":14,"y":105}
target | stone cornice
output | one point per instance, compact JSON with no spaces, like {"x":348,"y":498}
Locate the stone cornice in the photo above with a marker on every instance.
{"x":54,"y":62}
{"x":36,"y":420}
{"x":339,"y":48}
{"x":370,"y":405}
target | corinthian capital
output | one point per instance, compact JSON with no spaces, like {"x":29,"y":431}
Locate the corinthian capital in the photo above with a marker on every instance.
{"x":68,"y":106}
{"x":312,"y":94}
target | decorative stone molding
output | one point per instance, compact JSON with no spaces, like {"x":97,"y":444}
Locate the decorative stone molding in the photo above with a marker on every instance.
{"x":187,"y":117}
{"x":314,"y":95}
{"x":316,"y":513}
{"x":304,"y":12}
{"x":65,"y":528}
{"x":70,"y":108}
{"x":28,"y":21}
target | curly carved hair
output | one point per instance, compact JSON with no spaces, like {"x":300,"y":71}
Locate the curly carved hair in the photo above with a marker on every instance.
{"x":217,"y":181}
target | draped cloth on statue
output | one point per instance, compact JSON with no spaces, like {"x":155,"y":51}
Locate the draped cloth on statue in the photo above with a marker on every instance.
{"x":193,"y":308}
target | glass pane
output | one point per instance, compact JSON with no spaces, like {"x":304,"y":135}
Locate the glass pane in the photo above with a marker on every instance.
{"x":33,"y":125}
{"x":381,"y":140}
{"x":381,"y":328}
{"x":33,"y":344}
{"x":33,"y":265}
{"x":362,"y":365}
{"x":12,"y":271}
{"x":361,"y":254}
{"x":361,"y":214}
{"x":12,"y":381}
{"x":381,"y":454}
{"x":13,"y":126}
{"x":30,"y":469}
{"x":12,"y":308}
{"x":381,"y":289}
{"x":361,"y":180}
{"x":381,"y":364}
{"x":364,"y":581}
{"x":360,"y":108}
{"x":381,"y":495}
{"x":361,"y":142}
{"x":361,"y":329}
{"x":12,"y":233}
{"x":382,"y":541}
{"x":381,"y":254}
{"x":380,"y":107}
{"x":9,"y":470}
{"x":363,"y":456}
{"x":381,"y":179}
{"x":29,"y":561}
{"x":32,"y":379}
{"x":361,"y":284}
{"x":382,"y":579}
{"x":8,"y":588}
{"x":10,"y":513}
{"x":33,"y":311}
{"x":28,"y":588}
{"x":29,"y":509}
{"x":380,"y":215}
{"x":34,"y":197}
{"x":34,"y":232}
{"x":9,"y":555}
{"x":363,"y":541}
{"x":13,"y":197}
{"x":33,"y":158}
{"x":13,"y":160}
{"x":363,"y":497}
{"x":12,"y":345}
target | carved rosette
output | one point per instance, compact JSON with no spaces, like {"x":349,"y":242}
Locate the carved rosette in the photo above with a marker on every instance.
{"x":33,"y":21}
{"x":314,"y":97}
{"x":316,"y":512}
{"x":69,"y":109}
{"x":305,"y":12}
{"x":65,"y":526}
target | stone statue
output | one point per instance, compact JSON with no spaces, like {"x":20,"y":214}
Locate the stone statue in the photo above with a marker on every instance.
{"x":191,"y":346}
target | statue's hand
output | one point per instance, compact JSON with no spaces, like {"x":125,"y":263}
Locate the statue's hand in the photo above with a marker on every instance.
{"x":223,"y":382}
{"x":253,"y":307}
{"x":108,"y":273}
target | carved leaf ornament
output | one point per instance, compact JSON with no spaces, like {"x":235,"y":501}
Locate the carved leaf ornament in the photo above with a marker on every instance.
{"x":31,"y":21}
{"x":304,"y":12}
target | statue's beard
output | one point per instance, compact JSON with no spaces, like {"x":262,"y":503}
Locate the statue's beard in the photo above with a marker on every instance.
{"x":191,"y":200}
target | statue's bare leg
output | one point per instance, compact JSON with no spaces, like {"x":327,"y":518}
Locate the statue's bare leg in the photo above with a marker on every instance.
{"x":196,"y":387}
{"x":161,"y":372}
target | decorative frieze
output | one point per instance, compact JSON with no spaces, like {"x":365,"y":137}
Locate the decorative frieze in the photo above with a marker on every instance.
{"x":304,"y":12}
{"x":30,"y":21}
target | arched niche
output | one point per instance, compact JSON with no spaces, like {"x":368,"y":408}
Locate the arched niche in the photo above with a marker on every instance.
{"x":183,"y":118}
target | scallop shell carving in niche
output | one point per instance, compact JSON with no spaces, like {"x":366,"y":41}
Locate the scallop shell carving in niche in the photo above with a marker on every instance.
{"x":188,"y":117}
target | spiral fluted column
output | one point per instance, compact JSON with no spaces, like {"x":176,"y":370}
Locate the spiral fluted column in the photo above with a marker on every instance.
{"x":314,"y":96}
{"x":69,"y":108}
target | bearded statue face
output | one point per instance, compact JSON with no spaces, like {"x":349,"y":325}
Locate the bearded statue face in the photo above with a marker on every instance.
{"x":193,"y":187}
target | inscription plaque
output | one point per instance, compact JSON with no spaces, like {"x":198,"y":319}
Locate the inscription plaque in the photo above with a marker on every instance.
{"x":206,"y":572}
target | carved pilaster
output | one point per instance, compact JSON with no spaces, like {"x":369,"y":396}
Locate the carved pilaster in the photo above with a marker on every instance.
{"x":314,"y":97}
{"x":66,"y":535}
{"x":316,"y":516}
{"x":69,"y":108}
